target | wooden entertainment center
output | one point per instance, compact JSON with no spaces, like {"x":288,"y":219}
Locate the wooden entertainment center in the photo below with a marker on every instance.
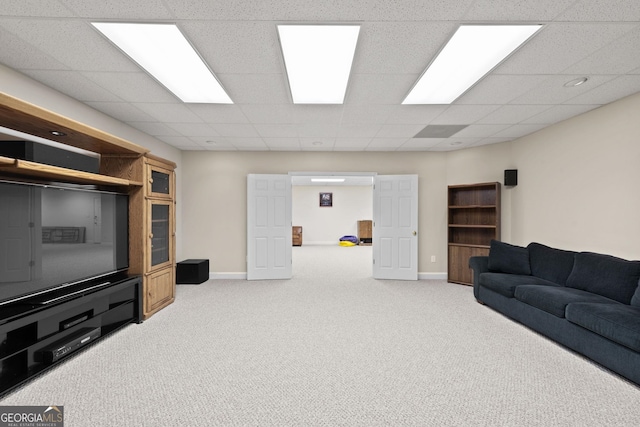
{"x":149,"y":283}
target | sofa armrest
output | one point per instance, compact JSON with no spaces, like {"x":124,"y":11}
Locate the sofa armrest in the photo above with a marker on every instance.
{"x":479,"y":265}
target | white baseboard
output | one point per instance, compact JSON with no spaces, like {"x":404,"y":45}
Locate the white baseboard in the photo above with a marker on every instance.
{"x":243,"y":276}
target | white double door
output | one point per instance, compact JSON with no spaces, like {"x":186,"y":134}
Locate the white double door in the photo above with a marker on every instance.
{"x":395,"y":227}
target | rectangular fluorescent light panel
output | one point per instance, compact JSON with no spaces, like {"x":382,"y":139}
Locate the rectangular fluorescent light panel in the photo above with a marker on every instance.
{"x":327,"y":179}
{"x":472,"y":52}
{"x":164,"y":52}
{"x":318,"y":60}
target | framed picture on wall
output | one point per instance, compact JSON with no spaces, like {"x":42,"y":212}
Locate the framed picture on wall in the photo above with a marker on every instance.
{"x":326,"y":200}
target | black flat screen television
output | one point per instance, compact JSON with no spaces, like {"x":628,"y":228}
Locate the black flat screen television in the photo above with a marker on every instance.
{"x":56,"y":237}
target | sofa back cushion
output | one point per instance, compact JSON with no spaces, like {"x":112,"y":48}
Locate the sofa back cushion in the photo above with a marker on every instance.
{"x":635,"y":300}
{"x":605,"y":275}
{"x":506,"y":258}
{"x":554,"y":265}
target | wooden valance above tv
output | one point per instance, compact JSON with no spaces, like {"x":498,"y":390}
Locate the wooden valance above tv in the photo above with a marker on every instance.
{"x":25,"y":117}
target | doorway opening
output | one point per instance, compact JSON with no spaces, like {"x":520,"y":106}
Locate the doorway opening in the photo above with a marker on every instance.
{"x":319,"y":224}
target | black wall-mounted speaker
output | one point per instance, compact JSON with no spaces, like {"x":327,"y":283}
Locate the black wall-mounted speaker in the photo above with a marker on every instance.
{"x":511,"y":177}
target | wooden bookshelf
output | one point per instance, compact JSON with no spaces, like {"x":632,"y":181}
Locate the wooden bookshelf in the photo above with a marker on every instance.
{"x":473,"y":220}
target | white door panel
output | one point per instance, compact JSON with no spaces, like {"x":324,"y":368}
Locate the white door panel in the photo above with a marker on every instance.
{"x":395,"y":227}
{"x":268,"y":227}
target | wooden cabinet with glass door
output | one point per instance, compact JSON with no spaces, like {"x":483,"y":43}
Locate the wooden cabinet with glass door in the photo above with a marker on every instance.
{"x":159,"y":260}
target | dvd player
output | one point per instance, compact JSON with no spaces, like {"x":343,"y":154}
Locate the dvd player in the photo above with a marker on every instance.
{"x":67,"y":345}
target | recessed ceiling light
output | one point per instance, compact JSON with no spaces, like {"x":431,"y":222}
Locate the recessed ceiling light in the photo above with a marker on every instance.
{"x":576,"y":82}
{"x":470,"y":54}
{"x":318,"y":61}
{"x":57,"y":133}
{"x":164,"y":52}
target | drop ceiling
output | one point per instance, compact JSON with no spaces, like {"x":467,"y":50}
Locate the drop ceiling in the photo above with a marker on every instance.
{"x":53,"y":42}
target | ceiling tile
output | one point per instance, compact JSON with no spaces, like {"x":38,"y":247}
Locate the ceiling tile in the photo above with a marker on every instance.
{"x":154,"y":128}
{"x":320,"y":114}
{"x":511,"y":114}
{"x":553,"y":91}
{"x":169,"y":113}
{"x":500,"y":89}
{"x":415,"y":114}
{"x":609,"y":10}
{"x":368,"y":89}
{"x":239,"y":47}
{"x":618,"y":57}
{"x":383,"y":144}
{"x":218,"y":113}
{"x":480,"y":131}
{"x":317,"y":144}
{"x":263,"y":113}
{"x":463,"y":114}
{"x":237,"y":130}
{"x":398,"y":131}
{"x":399,"y":47}
{"x":276,"y":131}
{"x":118,"y":9}
{"x":516,"y":131}
{"x":610,"y":91}
{"x":20,"y":55}
{"x":361,"y":114}
{"x":313,"y":130}
{"x":76,"y":44}
{"x":35,"y":8}
{"x":351,"y":144}
{"x":132,"y":87}
{"x":122,"y":111}
{"x":358,"y":131}
{"x":282,"y":143}
{"x":516,"y":10}
{"x":73,"y":84}
{"x":244,"y":144}
{"x":558,"y":114}
{"x":560,"y":45}
{"x":194,"y":129}
{"x":256,"y":88}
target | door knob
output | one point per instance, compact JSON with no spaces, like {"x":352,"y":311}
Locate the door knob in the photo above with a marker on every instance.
{"x":415,"y":233}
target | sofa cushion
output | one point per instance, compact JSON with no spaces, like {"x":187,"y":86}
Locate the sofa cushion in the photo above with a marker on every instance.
{"x":617,"y":322}
{"x":506,"y":258}
{"x":605,"y":275}
{"x":554,"y":299}
{"x":635,"y":300}
{"x":505,"y":284}
{"x":550,"y":264}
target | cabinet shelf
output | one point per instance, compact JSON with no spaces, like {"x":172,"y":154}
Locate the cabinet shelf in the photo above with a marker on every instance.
{"x":39,"y":170}
{"x":467,"y":245}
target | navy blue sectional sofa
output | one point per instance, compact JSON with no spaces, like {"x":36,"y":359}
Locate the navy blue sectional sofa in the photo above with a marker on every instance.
{"x":585,"y":301}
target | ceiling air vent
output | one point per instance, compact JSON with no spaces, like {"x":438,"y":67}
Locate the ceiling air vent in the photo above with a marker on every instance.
{"x":439,"y":131}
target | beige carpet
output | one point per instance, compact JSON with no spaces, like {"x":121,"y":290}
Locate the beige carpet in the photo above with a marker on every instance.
{"x":331,"y":347}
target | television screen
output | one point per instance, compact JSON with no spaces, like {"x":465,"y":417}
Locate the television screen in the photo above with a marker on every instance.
{"x":52,"y":237}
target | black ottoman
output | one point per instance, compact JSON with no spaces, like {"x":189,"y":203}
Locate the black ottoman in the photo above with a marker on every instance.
{"x":192,"y":271}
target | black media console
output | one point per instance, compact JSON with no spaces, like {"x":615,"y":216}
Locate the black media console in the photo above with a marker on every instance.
{"x":37,"y":334}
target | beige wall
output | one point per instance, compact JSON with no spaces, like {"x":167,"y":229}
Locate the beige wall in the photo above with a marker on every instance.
{"x":578,"y":181}
{"x":214,"y":218}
